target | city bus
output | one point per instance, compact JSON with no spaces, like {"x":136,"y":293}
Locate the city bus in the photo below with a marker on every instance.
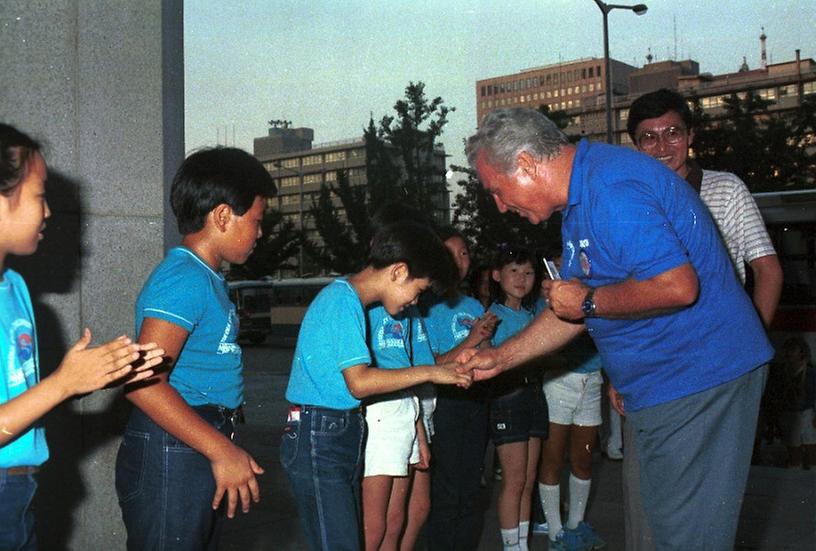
{"x":790,"y":217}
{"x":273,"y":307}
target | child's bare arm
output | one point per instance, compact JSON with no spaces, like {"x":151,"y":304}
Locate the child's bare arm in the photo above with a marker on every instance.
{"x":82,"y":370}
{"x":424,"y":448}
{"x":363,"y":381}
{"x":234,"y":469}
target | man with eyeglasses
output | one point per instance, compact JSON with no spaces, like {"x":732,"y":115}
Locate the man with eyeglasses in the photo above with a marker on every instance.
{"x":660,"y":125}
{"x":646,"y":273}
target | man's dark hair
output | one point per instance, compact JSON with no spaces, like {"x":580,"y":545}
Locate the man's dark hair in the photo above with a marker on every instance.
{"x":418,"y":247}
{"x":215,"y":176}
{"x":16,"y":149}
{"x":654,"y":105}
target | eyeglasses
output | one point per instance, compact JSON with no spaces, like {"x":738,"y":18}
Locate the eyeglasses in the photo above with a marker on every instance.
{"x":671,"y":135}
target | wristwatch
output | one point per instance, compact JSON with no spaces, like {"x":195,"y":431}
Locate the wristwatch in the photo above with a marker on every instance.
{"x":588,"y":305}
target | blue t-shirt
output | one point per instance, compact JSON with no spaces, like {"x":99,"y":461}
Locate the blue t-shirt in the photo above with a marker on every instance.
{"x":397,"y":342}
{"x":185,"y":291}
{"x":510,"y":321}
{"x":332,"y":338}
{"x":449,"y":322}
{"x":19,"y":367}
{"x":628,"y":216}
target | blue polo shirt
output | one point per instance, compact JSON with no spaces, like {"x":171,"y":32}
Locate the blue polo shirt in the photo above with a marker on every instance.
{"x":332,"y":338}
{"x":628,"y":216}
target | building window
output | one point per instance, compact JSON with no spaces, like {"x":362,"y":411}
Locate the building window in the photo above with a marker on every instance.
{"x":290,"y":163}
{"x":357,"y":153}
{"x":789,"y":90}
{"x":591,"y":71}
{"x":583,"y":73}
{"x":289,"y":181}
{"x":583,"y":88}
{"x":312,"y":160}
{"x":598,"y":71}
{"x":287,"y":200}
{"x":591,"y":87}
{"x":623,"y":114}
{"x":331,"y":176}
{"x":483,"y":91}
{"x":335,"y":156}
{"x":768,"y":94}
{"x":809,"y":87}
{"x":312,"y":179}
{"x":549,"y":81}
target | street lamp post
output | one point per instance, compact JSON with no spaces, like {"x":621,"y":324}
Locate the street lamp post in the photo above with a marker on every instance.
{"x":605,"y":8}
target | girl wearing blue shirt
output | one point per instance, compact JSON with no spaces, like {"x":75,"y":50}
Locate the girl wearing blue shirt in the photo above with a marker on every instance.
{"x":518,"y":413}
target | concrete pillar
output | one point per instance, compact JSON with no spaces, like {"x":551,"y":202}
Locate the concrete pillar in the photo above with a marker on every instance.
{"x":101,"y":84}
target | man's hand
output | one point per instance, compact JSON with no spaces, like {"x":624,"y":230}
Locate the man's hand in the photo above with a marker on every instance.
{"x":616,"y":400}
{"x":566,"y":298}
{"x":234,"y":471}
{"x":483,"y":364}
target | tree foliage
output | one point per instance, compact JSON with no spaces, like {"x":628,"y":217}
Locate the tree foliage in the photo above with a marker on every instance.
{"x":399,"y":167}
{"x":769,"y":151}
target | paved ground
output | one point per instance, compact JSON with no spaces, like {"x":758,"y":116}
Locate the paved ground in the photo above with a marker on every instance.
{"x":779,"y":511}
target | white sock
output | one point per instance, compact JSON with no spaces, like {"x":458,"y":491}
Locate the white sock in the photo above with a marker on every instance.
{"x":510,"y":539}
{"x":524,"y":531}
{"x":579,"y":494}
{"x":551,"y":503}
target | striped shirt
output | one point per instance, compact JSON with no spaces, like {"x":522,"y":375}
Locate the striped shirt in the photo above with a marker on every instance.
{"x":737,"y":217}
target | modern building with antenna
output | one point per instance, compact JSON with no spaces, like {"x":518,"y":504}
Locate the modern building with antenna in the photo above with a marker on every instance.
{"x":576,"y":87}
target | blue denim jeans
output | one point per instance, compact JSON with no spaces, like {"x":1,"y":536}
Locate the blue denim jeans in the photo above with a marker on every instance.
{"x":165,"y":488}
{"x":17,"y":524}
{"x":320,"y":453}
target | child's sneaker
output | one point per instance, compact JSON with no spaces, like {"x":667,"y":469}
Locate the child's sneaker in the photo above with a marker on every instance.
{"x":540,"y":528}
{"x":568,"y":540}
{"x":590,"y":537}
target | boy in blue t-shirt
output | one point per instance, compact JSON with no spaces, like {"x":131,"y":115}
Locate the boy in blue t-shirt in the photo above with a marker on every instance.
{"x":177,"y":461}
{"x":24,"y":398}
{"x":332,"y":371}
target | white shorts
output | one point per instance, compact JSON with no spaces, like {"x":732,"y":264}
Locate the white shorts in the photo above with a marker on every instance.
{"x":574,"y":398}
{"x":427,"y":399}
{"x":798,"y":428}
{"x":391,"y":443}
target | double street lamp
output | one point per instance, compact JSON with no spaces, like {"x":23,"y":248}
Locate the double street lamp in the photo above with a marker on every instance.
{"x":605,"y":8}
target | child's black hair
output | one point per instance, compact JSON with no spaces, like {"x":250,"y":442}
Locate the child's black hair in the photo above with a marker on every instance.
{"x":418,"y":247}
{"x":15,"y":150}
{"x":215,"y":176}
{"x":446,"y":232}
{"x":518,"y":255}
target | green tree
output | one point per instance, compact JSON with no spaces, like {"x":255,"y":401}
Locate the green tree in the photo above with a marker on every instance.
{"x":769,"y":151}
{"x":399,"y":167}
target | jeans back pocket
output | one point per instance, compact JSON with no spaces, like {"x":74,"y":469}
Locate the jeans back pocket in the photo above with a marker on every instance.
{"x":130,"y":464}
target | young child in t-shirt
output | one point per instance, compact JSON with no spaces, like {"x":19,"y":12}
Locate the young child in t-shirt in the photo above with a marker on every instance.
{"x":24,"y":397}
{"x":518,"y":412}
{"x":333,"y":370}
{"x":177,"y":462}
{"x":455,"y":322}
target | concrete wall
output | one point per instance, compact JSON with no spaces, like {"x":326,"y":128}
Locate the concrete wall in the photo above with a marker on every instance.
{"x":101,"y":84}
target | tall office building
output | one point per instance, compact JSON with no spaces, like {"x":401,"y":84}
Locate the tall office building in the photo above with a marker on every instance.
{"x":300,"y":168}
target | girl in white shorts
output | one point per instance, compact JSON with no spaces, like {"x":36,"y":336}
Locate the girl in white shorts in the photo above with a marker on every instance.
{"x":574,"y":402}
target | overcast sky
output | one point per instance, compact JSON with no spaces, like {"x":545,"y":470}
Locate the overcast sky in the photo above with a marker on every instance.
{"x":328,"y":65}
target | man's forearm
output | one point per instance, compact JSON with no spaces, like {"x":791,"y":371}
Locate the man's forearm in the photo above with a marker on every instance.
{"x":546,"y":334}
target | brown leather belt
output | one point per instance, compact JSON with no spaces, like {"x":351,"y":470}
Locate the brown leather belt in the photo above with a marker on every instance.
{"x":20,"y":471}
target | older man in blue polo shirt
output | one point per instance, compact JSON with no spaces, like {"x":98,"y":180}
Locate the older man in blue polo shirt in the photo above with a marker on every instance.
{"x":645,"y":272}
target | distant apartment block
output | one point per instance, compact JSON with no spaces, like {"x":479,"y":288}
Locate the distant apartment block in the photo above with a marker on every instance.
{"x":576,"y":87}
